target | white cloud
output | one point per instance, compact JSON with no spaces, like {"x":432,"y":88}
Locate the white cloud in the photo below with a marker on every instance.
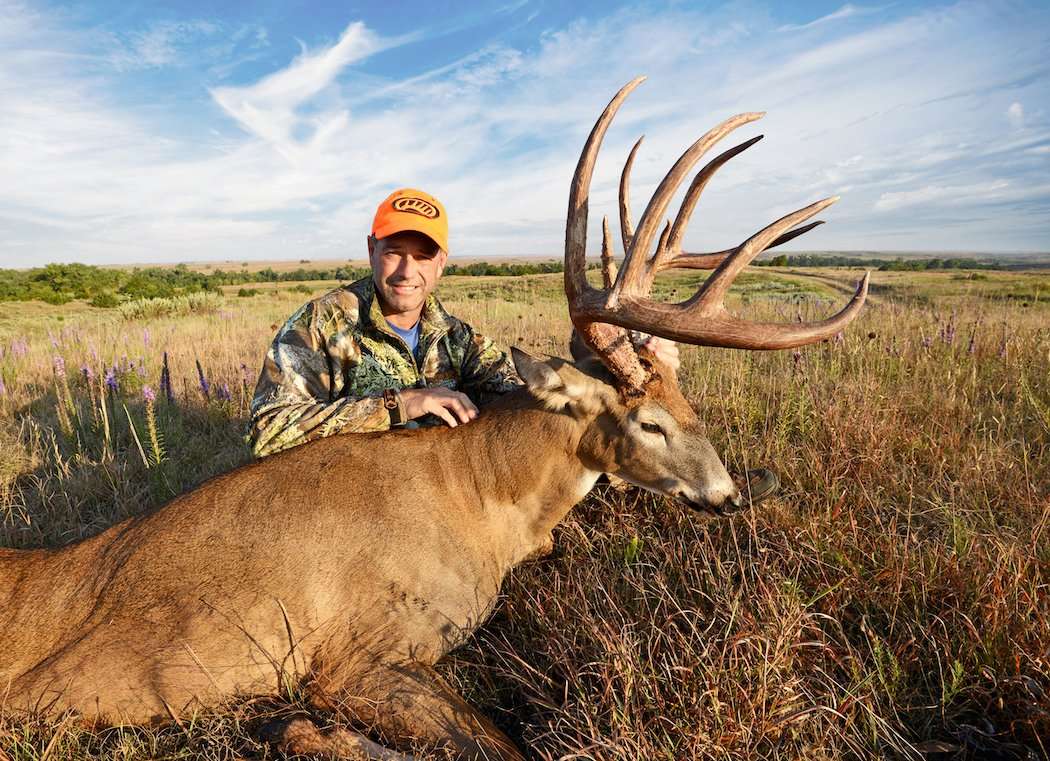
{"x":980,"y":193}
{"x":161,"y":44}
{"x":1015,"y":115}
{"x":846,"y":11}
{"x":901,"y":114}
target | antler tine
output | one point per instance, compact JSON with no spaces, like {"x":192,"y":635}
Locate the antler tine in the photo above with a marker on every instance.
{"x":609,"y":342}
{"x":710,"y":261}
{"x":709,"y":300}
{"x":685,"y":212}
{"x":576,"y":221}
{"x":608,"y":264}
{"x":626,"y":227}
{"x":673,"y":246}
{"x":630,"y":281}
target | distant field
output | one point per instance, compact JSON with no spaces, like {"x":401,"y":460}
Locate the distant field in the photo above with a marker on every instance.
{"x":892,"y":602}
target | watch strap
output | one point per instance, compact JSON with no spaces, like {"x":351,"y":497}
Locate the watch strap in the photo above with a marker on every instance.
{"x":394,"y":406}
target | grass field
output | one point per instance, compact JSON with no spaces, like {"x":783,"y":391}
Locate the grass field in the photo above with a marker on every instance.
{"x":891,"y":602}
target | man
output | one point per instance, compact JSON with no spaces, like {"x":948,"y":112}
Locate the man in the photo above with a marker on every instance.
{"x":383,"y":352}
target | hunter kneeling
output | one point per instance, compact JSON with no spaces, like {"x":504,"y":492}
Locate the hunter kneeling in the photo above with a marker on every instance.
{"x":382,"y":352}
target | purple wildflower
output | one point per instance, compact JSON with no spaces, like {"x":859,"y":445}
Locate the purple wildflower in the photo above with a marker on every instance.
{"x":149,"y":394}
{"x":973,"y":339}
{"x":3,"y":388}
{"x":205,"y":386}
{"x":111,"y":379}
{"x":948,"y":331}
{"x":19,"y":347}
{"x":60,"y":366}
{"x":54,"y":341}
{"x":145,"y":336}
{"x":165,"y":380}
{"x":223,"y":394}
{"x":87,"y":372}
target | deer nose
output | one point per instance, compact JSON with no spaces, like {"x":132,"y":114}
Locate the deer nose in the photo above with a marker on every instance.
{"x":734,"y":503}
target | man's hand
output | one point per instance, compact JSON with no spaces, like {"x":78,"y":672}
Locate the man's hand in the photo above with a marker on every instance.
{"x":451,"y":406}
{"x":664,"y":350}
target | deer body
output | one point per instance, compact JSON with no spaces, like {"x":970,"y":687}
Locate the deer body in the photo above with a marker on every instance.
{"x":394,"y":543}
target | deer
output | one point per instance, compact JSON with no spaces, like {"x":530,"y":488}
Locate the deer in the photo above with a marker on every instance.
{"x":355,"y":584}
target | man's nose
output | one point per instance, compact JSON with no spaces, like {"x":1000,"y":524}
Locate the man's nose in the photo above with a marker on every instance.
{"x":406,"y":268}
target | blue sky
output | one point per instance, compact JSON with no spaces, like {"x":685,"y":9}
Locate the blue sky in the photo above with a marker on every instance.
{"x":138,"y":132}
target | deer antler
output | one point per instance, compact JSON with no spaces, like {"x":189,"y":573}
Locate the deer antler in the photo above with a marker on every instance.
{"x":601,"y":315}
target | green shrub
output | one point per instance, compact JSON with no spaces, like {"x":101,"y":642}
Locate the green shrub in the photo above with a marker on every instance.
{"x":174,"y":305}
{"x":105,"y":300}
{"x":247,"y":292}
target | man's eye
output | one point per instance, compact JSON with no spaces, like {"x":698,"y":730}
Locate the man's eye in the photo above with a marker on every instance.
{"x":652,"y":428}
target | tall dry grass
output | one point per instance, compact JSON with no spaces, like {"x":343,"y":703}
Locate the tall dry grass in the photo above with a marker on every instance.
{"x":892,"y":602}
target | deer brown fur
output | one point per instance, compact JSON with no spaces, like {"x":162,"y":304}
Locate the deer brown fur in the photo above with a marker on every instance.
{"x":353,"y":562}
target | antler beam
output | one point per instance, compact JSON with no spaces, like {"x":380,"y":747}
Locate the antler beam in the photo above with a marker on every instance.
{"x":602,"y":316}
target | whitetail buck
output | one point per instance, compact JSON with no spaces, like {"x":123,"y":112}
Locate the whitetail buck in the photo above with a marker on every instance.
{"x":354,"y":563}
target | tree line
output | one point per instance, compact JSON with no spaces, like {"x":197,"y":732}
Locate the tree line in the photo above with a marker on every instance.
{"x":107,"y":287}
{"x":886,"y":265}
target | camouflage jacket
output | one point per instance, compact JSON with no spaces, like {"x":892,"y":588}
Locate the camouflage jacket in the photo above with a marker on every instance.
{"x":329,"y":364}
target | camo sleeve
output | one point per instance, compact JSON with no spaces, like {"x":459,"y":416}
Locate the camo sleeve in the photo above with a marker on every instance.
{"x":486,"y":372}
{"x":297,"y":398}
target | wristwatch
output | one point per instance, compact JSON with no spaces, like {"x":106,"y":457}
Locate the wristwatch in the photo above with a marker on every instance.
{"x":393,"y":404}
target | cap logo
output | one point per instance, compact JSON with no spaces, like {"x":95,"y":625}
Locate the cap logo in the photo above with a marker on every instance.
{"x":416,"y":206}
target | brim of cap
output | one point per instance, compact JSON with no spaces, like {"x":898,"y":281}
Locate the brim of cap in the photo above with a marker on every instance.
{"x":410,"y":224}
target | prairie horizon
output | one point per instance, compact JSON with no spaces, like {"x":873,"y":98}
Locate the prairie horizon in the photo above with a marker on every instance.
{"x":1019,"y":259}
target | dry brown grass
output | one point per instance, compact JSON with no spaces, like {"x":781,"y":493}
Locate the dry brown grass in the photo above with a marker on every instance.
{"x":892,"y":601}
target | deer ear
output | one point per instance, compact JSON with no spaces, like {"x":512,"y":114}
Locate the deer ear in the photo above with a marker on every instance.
{"x":540,"y":377}
{"x":557,"y":390}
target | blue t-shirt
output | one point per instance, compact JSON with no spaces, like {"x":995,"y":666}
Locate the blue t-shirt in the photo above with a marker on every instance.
{"x":410,"y":336}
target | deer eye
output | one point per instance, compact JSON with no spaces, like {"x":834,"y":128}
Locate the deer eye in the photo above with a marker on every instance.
{"x":653,"y":428}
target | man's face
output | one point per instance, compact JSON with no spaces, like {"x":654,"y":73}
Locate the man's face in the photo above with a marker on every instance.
{"x":405,"y":268}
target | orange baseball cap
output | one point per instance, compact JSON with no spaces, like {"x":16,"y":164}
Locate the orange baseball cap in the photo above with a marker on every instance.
{"x":411,"y":209}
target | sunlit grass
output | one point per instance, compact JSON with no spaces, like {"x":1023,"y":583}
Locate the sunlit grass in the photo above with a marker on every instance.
{"x":893,"y":595}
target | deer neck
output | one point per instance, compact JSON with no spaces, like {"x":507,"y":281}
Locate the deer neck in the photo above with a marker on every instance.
{"x":528,"y":473}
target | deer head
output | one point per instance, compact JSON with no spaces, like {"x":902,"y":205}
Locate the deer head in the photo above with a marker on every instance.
{"x":643,"y":430}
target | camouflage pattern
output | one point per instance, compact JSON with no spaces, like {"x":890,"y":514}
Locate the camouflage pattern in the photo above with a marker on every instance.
{"x":328,"y":366}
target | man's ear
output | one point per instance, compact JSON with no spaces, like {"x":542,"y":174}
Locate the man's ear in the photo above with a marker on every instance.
{"x":551,"y":387}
